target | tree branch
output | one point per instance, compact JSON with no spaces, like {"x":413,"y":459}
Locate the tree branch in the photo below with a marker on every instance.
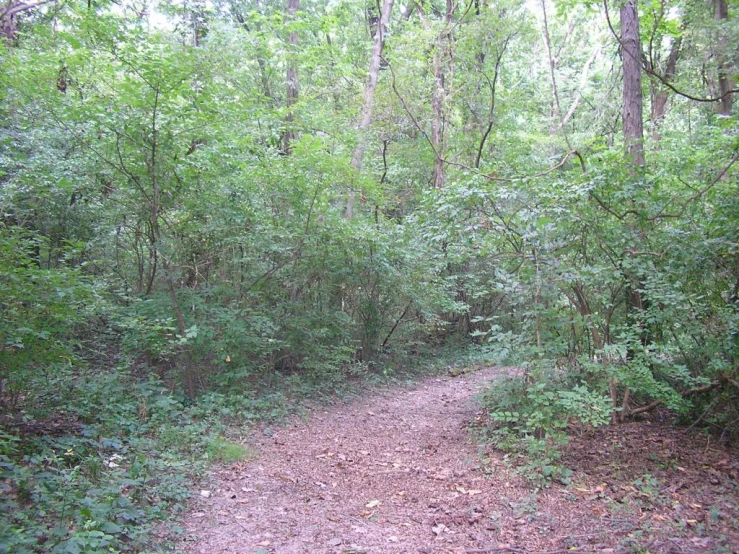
{"x":661,"y":78}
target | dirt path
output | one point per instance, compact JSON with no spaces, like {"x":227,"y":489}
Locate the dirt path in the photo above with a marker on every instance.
{"x":396,"y":473}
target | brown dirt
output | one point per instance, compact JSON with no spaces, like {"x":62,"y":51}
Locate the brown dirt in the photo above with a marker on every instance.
{"x":396,"y":472}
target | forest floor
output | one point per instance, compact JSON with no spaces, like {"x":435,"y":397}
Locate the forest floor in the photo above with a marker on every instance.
{"x":398,"y":472}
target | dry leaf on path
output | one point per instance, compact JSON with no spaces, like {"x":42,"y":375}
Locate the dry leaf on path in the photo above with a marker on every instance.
{"x":439,"y":529}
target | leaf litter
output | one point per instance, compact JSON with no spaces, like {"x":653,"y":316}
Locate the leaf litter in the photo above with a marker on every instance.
{"x":397,"y":472}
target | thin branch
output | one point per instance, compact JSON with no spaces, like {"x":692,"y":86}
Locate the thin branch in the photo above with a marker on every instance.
{"x":407,"y":109}
{"x":683,"y":207}
{"x":492,"y":84}
{"x":699,"y":193}
{"x":552,"y":63}
{"x":583,"y":78}
{"x":466,"y":167}
{"x":661,"y":78}
{"x":390,"y":334}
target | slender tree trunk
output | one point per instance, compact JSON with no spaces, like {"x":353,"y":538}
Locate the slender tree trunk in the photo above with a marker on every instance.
{"x":438,"y":98}
{"x":659,"y":93}
{"x":437,"y":123}
{"x":633,"y":125}
{"x":293,"y":84}
{"x":584,"y":75}
{"x":261,"y":54}
{"x":369,"y":98}
{"x":632,"y":91}
{"x":197,"y":16}
{"x":725,"y":83}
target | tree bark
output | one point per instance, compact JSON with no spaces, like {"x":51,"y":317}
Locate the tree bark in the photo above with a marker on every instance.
{"x":369,"y":98}
{"x":9,"y":14}
{"x":438,"y":121}
{"x":632,"y":92}
{"x":659,"y":93}
{"x":725,"y":83}
{"x":293,"y":83}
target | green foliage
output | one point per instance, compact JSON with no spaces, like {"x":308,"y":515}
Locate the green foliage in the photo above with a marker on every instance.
{"x":159,"y":240}
{"x":42,"y":308}
{"x":101,"y":474}
{"x":531,"y":420}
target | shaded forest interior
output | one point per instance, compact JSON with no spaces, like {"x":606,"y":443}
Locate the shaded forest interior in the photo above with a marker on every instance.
{"x":210,"y":211}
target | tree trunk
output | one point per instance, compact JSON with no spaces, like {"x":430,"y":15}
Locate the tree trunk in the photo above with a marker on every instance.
{"x":633,"y":124}
{"x":197,"y":17}
{"x":9,"y":17}
{"x":369,"y":97}
{"x":725,"y":83}
{"x":293,"y":84}
{"x":632,"y":91}
{"x":438,"y":121}
{"x":659,"y":93}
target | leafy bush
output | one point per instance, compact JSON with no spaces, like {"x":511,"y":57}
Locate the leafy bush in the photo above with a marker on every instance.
{"x":530,"y":418}
{"x":41,"y":308}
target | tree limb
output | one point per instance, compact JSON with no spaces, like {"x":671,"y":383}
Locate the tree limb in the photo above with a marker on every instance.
{"x":661,"y":78}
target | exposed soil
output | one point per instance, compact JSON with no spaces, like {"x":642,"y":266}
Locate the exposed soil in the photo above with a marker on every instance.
{"x":397,"y":472}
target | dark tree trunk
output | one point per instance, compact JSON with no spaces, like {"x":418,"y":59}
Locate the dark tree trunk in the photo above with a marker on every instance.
{"x":632,"y":91}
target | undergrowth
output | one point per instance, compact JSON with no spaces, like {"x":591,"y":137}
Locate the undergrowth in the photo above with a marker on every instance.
{"x":528,"y":417}
{"x":98,"y":460}
{"x":104,"y":461}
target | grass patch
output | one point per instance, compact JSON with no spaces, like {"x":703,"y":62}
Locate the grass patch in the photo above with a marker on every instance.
{"x":225,"y":451}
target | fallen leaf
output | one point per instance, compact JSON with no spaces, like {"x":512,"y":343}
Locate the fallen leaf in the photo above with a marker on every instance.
{"x":372,"y":504}
{"x":439,"y":529}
